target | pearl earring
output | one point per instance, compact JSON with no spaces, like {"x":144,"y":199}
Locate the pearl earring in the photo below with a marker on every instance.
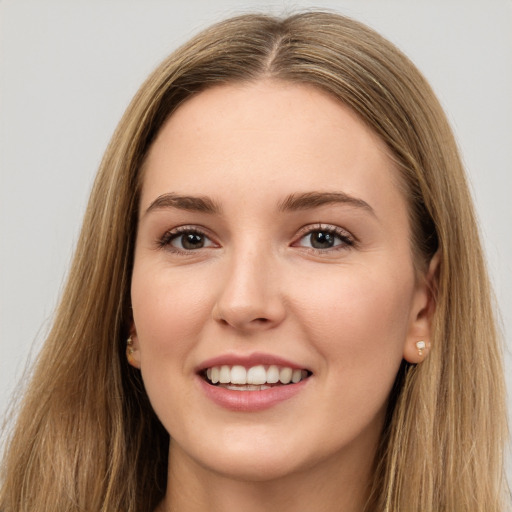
{"x":420,"y":345}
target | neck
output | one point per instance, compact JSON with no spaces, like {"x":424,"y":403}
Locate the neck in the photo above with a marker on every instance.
{"x":327,"y":487}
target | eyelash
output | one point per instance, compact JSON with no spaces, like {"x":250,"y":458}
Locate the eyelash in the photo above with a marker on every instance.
{"x":347,"y":240}
{"x":173,"y":234}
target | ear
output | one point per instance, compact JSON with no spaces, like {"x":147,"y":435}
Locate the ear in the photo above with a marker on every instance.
{"x":132,"y":348}
{"x":419,"y":339}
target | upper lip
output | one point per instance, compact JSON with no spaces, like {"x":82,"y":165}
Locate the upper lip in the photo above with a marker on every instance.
{"x":248,"y":361}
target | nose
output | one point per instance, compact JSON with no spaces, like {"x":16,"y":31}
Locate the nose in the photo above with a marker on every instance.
{"x":250,"y":296}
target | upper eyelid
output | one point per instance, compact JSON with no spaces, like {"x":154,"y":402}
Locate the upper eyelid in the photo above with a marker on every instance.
{"x":309,"y":228}
{"x":193,"y":228}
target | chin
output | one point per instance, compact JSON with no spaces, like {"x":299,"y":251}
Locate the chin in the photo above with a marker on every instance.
{"x":260,"y":454}
{"x":244,"y":453}
{"x":255,"y":468}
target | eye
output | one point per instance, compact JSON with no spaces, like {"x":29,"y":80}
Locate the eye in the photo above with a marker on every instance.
{"x":324,"y":238}
{"x":185,"y":239}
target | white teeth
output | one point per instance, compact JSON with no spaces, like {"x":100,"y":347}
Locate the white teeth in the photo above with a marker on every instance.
{"x":272,"y":374}
{"x":239,"y":375}
{"x":225,"y":374}
{"x":285,"y":375}
{"x":255,"y":377}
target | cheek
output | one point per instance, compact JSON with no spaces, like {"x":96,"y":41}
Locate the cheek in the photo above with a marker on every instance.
{"x":169,"y":309}
{"x":359,"y":320}
{"x":358,"y":324}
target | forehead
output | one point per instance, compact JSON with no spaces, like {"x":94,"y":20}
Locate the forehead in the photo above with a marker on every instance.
{"x":269,"y":137}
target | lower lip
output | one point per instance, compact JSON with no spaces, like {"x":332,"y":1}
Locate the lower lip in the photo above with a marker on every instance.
{"x":251,"y":401}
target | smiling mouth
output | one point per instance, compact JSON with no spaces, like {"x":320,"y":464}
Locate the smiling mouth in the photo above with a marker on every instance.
{"x":255,"y":378}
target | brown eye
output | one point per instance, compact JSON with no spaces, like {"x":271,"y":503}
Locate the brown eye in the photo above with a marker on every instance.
{"x":323,"y":239}
{"x":185,"y":240}
{"x":189,"y":241}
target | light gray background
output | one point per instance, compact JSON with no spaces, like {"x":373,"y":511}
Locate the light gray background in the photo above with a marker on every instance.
{"x":69,"y":68}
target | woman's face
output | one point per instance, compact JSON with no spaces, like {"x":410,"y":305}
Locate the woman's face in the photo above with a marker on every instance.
{"x":273,"y":243}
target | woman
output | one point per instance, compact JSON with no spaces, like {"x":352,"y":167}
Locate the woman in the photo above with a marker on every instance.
{"x":269,"y":305}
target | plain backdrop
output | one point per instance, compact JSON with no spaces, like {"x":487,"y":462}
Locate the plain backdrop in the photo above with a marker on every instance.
{"x":69,"y":68}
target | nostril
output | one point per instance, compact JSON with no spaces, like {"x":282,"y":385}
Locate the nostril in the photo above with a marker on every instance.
{"x":254,"y":322}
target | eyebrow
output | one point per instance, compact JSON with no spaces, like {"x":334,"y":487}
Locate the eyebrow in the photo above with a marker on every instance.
{"x":294,"y":202}
{"x":310,"y":200}
{"x":190,"y":203}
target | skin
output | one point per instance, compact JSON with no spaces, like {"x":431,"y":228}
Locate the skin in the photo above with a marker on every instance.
{"x":348,"y":313}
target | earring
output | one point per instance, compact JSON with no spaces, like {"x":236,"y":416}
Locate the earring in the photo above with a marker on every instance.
{"x":129,"y":350}
{"x":420,"y":345}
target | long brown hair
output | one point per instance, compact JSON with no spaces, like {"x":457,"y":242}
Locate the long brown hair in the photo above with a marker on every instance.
{"x":86,"y":437}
